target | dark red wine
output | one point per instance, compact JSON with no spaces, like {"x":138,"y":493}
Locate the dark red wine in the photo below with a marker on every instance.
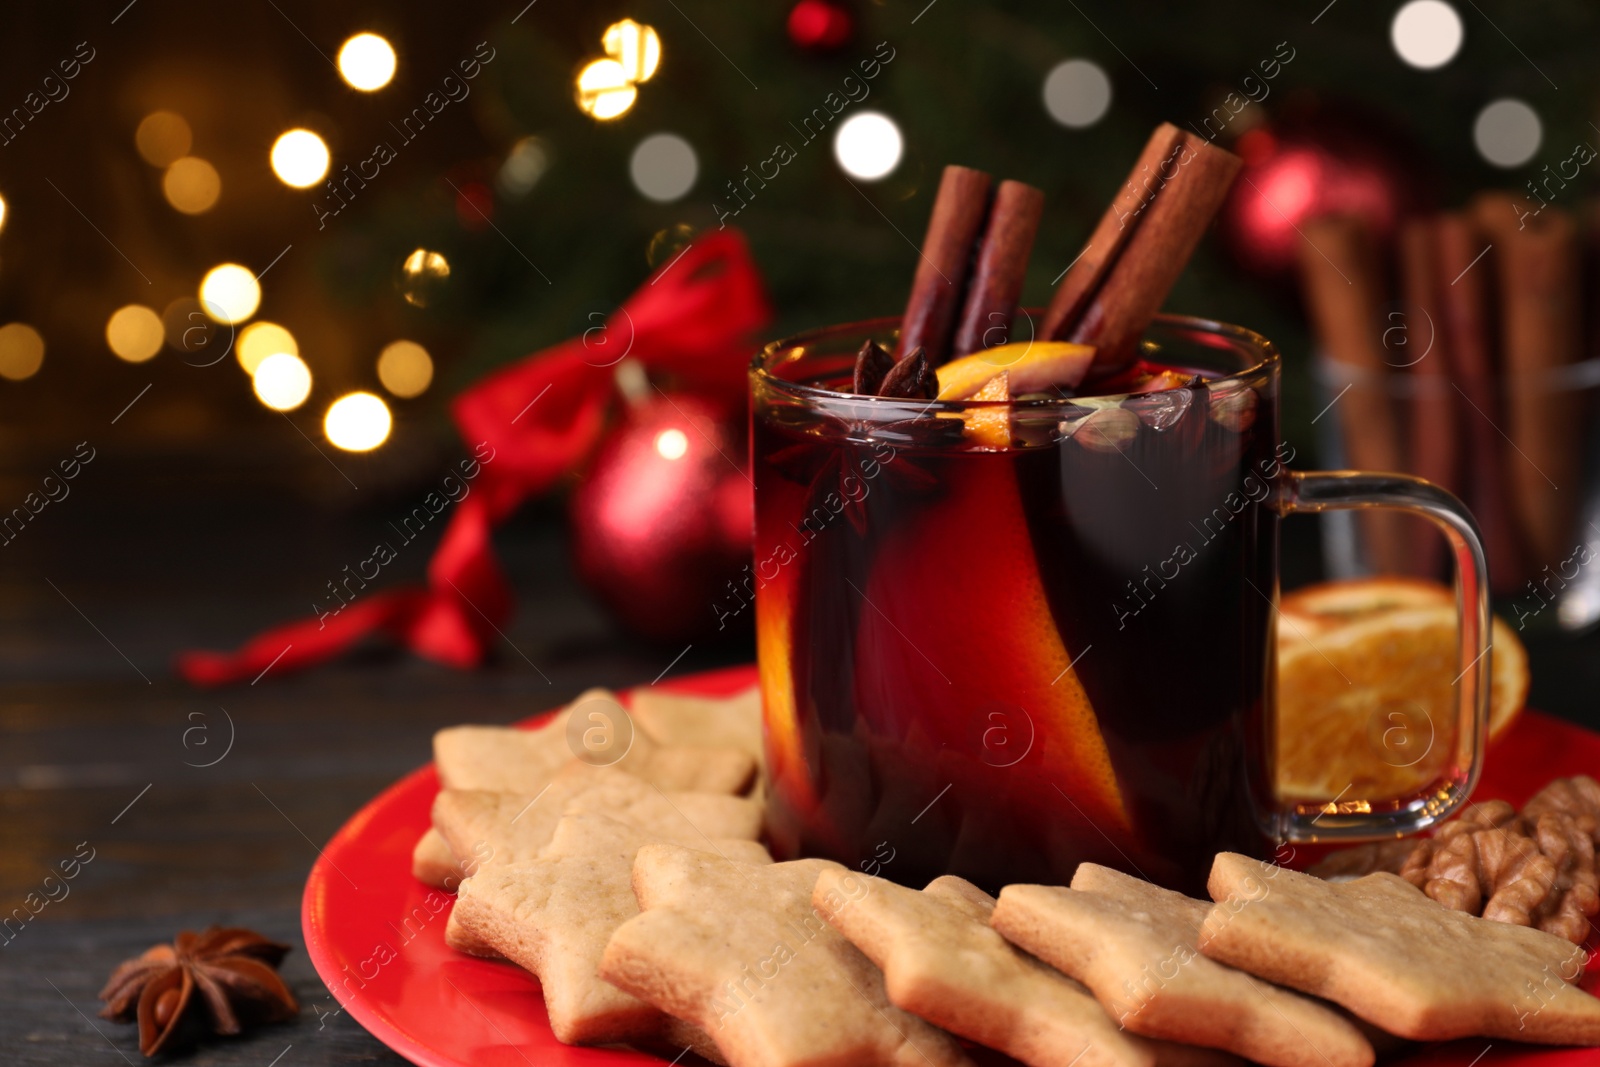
{"x":1000,"y":663}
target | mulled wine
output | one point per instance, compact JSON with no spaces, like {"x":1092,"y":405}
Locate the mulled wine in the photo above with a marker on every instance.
{"x":1001,"y":662}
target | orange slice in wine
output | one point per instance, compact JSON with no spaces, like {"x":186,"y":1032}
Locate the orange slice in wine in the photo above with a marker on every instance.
{"x":1034,"y":366}
{"x":955,"y":628}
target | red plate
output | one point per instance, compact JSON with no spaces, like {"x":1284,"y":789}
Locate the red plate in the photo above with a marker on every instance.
{"x":376,"y":935}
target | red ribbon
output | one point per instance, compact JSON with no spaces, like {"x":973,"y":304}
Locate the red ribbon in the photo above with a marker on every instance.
{"x":530,"y":424}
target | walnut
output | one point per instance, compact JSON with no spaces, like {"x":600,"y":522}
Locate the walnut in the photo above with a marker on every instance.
{"x":1578,"y":797}
{"x":1417,"y":867}
{"x":1528,"y":871}
{"x":1366,"y":859}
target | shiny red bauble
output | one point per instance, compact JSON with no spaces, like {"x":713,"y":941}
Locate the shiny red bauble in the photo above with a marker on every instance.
{"x":663,"y":518}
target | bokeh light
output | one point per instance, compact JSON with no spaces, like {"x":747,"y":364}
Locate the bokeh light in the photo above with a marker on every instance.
{"x":405,"y":369}
{"x":636,"y":47}
{"x":191,"y":185}
{"x":259,"y":340}
{"x":2,"y":212}
{"x":422,"y":275}
{"x":1426,"y":33}
{"x":672,"y":444}
{"x":663,"y":167}
{"x":357,"y":422}
{"x":604,"y":90}
{"x":1507,"y":133}
{"x":868,"y":145}
{"x":229,"y":293}
{"x":525,"y":164}
{"x":300,"y":158}
{"x":21,"y":351}
{"x":1077,"y":93}
{"x":366,"y":61}
{"x":282,"y":381}
{"x":134,"y":333}
{"x":163,"y":138}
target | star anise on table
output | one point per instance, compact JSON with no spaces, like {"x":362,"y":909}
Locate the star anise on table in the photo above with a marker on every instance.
{"x":233,"y":970}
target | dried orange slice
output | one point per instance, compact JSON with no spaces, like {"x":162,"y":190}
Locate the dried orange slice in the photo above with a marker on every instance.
{"x":1032,"y":365}
{"x":1366,"y":687}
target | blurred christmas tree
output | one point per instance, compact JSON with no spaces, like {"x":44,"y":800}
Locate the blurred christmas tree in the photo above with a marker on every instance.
{"x":549,"y":230}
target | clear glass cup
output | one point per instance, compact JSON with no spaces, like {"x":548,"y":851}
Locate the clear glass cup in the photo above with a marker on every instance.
{"x":1001,"y":662}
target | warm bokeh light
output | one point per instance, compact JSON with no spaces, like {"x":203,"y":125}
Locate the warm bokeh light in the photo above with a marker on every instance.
{"x":604,"y":90}
{"x":868,"y":145}
{"x":300,"y":158}
{"x":230,"y":293}
{"x":421,"y":275}
{"x":2,"y":212}
{"x":21,"y":351}
{"x":134,"y":333}
{"x":366,"y":62}
{"x":191,"y":185}
{"x":357,"y":422}
{"x":635,"y":46}
{"x":282,"y":382}
{"x":405,"y":369}
{"x":259,"y":340}
{"x":672,"y":444}
{"x":163,"y":138}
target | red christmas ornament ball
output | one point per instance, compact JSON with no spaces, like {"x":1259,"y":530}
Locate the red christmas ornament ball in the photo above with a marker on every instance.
{"x":662,"y":520}
{"x":820,"y":25}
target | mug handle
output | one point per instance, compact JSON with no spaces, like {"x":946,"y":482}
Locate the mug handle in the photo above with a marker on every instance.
{"x":1345,"y":818}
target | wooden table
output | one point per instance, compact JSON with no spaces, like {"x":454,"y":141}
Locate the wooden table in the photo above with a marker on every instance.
{"x":99,"y":744}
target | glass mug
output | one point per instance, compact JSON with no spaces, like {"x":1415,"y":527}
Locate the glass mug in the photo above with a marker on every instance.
{"x":1002,"y":663}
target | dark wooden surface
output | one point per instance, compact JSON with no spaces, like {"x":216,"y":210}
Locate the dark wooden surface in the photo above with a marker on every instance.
{"x":92,"y":721}
{"x":96,"y":596}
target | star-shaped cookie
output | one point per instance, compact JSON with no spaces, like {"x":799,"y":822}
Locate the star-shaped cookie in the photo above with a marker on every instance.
{"x":1135,"y":945}
{"x":554,"y":917}
{"x":701,"y":722}
{"x":511,"y":829}
{"x":594,"y":729}
{"x":1379,"y":947}
{"x":943,"y":962}
{"x":740,"y":952}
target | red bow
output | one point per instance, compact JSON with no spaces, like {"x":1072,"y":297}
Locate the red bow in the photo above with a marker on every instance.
{"x":529,"y":424}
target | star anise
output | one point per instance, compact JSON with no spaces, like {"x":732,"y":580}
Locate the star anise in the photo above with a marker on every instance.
{"x":233,"y":969}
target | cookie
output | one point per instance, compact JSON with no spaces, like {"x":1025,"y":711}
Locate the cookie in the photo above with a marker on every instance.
{"x":1379,"y":947}
{"x":943,"y":962}
{"x":1135,"y":945}
{"x":740,"y":952}
{"x":555,"y":916}
{"x":594,"y":730}
{"x":433,"y":864}
{"x":701,"y":722}
{"x":511,"y":829}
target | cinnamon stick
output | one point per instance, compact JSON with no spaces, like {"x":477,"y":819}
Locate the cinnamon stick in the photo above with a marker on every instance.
{"x":1465,"y":266}
{"x":1146,"y":238}
{"x":1105,"y":244}
{"x":940,"y":281}
{"x":1002,"y":263}
{"x":1433,"y":452}
{"x":1342,"y":276}
{"x":1541,"y":330}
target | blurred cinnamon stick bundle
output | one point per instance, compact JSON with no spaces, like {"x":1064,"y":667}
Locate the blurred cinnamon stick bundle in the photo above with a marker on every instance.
{"x":1453,"y":371}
